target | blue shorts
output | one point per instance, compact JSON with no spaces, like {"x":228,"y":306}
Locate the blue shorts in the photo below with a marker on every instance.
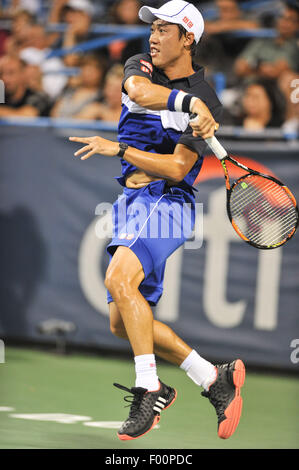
{"x":153,"y":222}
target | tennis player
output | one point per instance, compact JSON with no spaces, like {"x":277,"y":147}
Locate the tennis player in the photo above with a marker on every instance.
{"x":161,"y":155}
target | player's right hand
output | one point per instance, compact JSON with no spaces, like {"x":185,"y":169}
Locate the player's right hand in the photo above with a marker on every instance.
{"x":204,"y":125}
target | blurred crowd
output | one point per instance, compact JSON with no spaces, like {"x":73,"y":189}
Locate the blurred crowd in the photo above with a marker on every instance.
{"x":250,"y":51}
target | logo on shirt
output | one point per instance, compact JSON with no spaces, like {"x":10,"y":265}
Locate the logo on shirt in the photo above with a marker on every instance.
{"x":126,"y":236}
{"x":146,"y":67}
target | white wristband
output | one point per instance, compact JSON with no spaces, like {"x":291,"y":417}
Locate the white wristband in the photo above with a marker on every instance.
{"x":179,"y":101}
{"x":192,"y":102}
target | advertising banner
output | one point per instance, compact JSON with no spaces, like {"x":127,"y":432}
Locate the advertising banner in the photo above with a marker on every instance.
{"x":222,"y":296}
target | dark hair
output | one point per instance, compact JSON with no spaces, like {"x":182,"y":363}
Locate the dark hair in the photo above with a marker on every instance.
{"x":293,"y":5}
{"x":182,"y":32}
{"x":276,"y":98}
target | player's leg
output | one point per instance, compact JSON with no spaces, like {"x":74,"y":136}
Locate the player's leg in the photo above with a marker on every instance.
{"x":222,"y":384}
{"x":167,"y":344}
{"x":153,"y":250}
{"x":123,"y":278}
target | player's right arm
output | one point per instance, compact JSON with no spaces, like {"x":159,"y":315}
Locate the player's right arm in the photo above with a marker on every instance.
{"x":142,"y":91}
{"x":147,"y":94}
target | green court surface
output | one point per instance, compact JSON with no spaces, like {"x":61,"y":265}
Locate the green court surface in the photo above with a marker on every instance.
{"x":47,"y":386}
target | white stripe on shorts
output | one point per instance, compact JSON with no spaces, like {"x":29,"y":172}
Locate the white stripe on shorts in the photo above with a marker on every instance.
{"x":146,"y":220}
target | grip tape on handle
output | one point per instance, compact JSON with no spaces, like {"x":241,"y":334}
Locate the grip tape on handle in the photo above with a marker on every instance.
{"x":216,"y":147}
{"x":213,"y":143}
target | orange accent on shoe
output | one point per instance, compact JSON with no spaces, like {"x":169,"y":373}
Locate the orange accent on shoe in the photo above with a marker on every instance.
{"x":125,"y":437}
{"x":234,"y":410}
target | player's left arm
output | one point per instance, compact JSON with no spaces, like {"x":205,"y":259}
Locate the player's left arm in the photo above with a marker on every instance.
{"x":170,"y":166}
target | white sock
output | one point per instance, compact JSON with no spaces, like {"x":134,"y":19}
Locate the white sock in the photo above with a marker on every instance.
{"x":202,"y":372}
{"x":146,"y":372}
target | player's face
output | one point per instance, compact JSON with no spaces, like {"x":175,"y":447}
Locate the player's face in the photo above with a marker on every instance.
{"x":165,"y":44}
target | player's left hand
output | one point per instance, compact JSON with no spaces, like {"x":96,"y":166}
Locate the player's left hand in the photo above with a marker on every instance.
{"x":94,"y":145}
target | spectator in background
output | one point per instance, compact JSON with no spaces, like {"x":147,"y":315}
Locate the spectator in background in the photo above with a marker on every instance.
{"x":269,"y":57}
{"x":263,"y":105}
{"x":125,"y":12}
{"x":78,"y":15}
{"x":32,"y":6}
{"x":20,"y":100}
{"x":110,"y":108}
{"x":87,"y":90}
{"x":67,"y":10}
{"x":19,"y":37}
{"x":289,"y":84}
{"x":33,"y":78}
{"x":230,"y":18}
{"x":37,"y":55}
{"x":219,"y":49}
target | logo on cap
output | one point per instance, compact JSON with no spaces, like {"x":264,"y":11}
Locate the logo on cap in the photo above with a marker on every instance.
{"x":187,"y":22}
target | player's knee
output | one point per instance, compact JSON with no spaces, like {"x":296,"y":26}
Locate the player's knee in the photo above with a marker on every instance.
{"x":117,"y":284}
{"x":110,"y":280}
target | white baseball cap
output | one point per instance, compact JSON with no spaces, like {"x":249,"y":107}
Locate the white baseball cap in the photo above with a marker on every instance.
{"x":178,"y":12}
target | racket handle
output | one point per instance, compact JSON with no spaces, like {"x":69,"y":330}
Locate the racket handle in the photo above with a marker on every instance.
{"x":212,"y":142}
{"x":216,"y":147}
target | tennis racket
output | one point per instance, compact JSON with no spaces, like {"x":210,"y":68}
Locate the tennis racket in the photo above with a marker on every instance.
{"x":261,"y":209}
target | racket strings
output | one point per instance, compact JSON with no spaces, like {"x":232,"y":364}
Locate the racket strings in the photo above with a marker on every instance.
{"x":264,"y":230}
{"x":262,"y":223}
{"x":262,"y":210}
{"x":275,"y":193}
{"x":264,"y":205}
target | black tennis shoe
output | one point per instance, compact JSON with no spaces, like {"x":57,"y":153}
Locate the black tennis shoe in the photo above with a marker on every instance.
{"x":224,"y":394}
{"x":145,"y":409}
